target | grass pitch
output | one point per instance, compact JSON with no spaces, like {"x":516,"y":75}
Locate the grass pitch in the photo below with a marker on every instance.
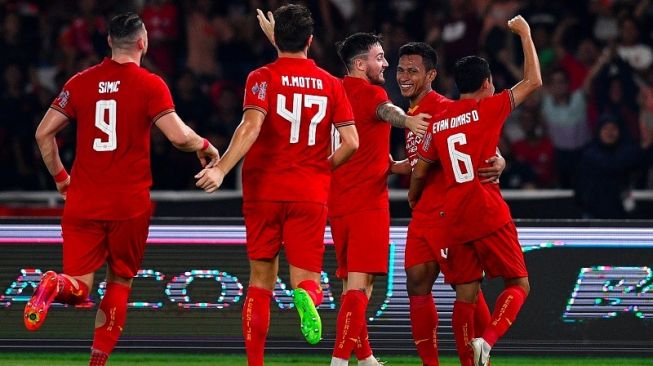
{"x":176,"y":359}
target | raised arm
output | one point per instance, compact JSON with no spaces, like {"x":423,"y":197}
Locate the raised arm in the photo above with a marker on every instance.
{"x":347,"y":148}
{"x":244,"y":137}
{"x":53,"y":122}
{"x":185,"y":139}
{"x":398,"y":118}
{"x":532,"y":79}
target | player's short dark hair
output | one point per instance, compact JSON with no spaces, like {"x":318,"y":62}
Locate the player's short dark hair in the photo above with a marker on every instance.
{"x":429,"y":56}
{"x":356,"y":45}
{"x":293,"y":26}
{"x":470,"y":72}
{"x":124,"y":28}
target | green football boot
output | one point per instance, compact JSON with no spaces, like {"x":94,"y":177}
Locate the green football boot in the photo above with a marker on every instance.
{"x":311,"y":324}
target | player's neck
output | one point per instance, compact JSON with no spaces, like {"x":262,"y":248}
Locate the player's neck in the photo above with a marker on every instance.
{"x":300,"y":54}
{"x":478,"y":95}
{"x":415,"y":100}
{"x":123,"y":58}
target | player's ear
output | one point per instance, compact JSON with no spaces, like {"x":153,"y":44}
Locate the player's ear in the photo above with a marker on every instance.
{"x":309,"y":41}
{"x":360,"y":64}
{"x":109,"y":41}
{"x":431,"y":74}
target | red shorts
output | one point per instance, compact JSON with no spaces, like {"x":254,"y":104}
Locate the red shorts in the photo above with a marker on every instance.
{"x":362,"y":241}
{"x":497,"y":254}
{"x":87,"y":244}
{"x":422,"y":245}
{"x":299,"y":226}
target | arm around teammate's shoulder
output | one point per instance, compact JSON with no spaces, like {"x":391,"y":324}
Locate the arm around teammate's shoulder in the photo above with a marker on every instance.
{"x":532,"y":76}
{"x":348,"y":145}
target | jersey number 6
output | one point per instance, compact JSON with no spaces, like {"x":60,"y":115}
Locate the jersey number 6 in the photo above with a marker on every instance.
{"x":458,"y":157}
{"x":295,"y":116}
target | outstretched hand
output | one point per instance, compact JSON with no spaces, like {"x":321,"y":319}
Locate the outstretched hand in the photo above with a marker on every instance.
{"x":209,"y":156}
{"x":210,"y":179}
{"x":266,"y":24}
{"x":418,"y":124}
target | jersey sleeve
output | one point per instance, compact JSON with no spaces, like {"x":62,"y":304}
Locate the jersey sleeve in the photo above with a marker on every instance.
{"x":495,"y":109}
{"x":427,"y":149}
{"x":160,"y":102}
{"x":342,"y":112}
{"x":256,"y":95}
{"x":378,"y":97}
{"x":64,"y":102}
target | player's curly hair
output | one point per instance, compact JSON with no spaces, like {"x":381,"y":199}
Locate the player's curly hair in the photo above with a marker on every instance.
{"x":470,"y":72}
{"x":428,"y":53}
{"x":356,"y":45}
{"x":293,"y":26}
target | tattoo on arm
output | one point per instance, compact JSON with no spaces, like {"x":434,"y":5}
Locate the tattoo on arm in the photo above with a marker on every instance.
{"x":391,"y":114}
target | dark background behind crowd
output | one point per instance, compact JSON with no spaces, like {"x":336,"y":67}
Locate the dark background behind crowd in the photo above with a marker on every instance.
{"x":590,"y":129}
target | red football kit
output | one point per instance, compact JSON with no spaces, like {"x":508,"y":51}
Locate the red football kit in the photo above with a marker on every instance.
{"x":358,"y":202}
{"x":476,"y":217}
{"x":288,"y":164}
{"x":419,"y":246}
{"x":114,"y":106}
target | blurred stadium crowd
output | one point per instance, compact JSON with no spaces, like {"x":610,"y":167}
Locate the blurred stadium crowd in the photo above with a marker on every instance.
{"x":590,"y":129}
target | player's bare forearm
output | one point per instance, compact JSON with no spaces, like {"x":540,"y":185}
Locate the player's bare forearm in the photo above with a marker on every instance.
{"x":392,"y":114}
{"x":53,"y":122}
{"x":417,"y":181}
{"x":178,"y":133}
{"x":400,"y":167}
{"x":532,"y":79}
{"x":347,"y":148}
{"x":243,"y":139}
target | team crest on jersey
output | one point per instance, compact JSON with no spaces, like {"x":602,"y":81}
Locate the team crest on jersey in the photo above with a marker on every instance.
{"x":63,"y":97}
{"x":260,"y":89}
{"x":427,"y":141}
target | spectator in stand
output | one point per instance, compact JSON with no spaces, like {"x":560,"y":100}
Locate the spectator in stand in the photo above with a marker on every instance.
{"x":517,"y":175}
{"x":638,"y":55}
{"x":565,"y":115}
{"x":605,"y":170}
{"x":161,"y":19}
{"x":535,"y":149}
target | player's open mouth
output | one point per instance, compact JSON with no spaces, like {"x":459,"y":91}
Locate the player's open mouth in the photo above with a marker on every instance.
{"x":405,"y":86}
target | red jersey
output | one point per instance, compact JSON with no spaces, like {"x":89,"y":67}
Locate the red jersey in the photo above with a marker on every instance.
{"x":114,"y":106}
{"x":289,"y":160}
{"x":430,"y":204}
{"x":463,"y":135}
{"x":362,"y":183}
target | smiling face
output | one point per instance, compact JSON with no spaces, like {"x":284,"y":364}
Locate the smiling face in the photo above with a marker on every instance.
{"x":375,"y":64}
{"x":413,"y":78}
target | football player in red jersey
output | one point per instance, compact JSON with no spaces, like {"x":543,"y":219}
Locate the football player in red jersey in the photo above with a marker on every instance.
{"x":107,"y":210}
{"x":290,"y":107}
{"x":481,"y":235}
{"x":358,"y":202}
{"x":425,"y":256}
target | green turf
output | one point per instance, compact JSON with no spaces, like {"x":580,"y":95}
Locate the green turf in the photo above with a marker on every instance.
{"x":149,"y":359}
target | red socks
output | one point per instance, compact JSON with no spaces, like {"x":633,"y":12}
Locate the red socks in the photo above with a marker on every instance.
{"x":71,"y":291}
{"x":350,"y":322}
{"x":112,"y":315}
{"x":505,"y":312}
{"x":482,"y":315}
{"x":363,"y":349}
{"x":462,"y":322}
{"x":98,"y":358}
{"x":424,"y":323}
{"x":313,"y":289}
{"x":256,"y":322}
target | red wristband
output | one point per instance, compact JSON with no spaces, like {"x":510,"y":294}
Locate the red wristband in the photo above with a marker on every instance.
{"x":205,"y":144}
{"x":61,"y":176}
